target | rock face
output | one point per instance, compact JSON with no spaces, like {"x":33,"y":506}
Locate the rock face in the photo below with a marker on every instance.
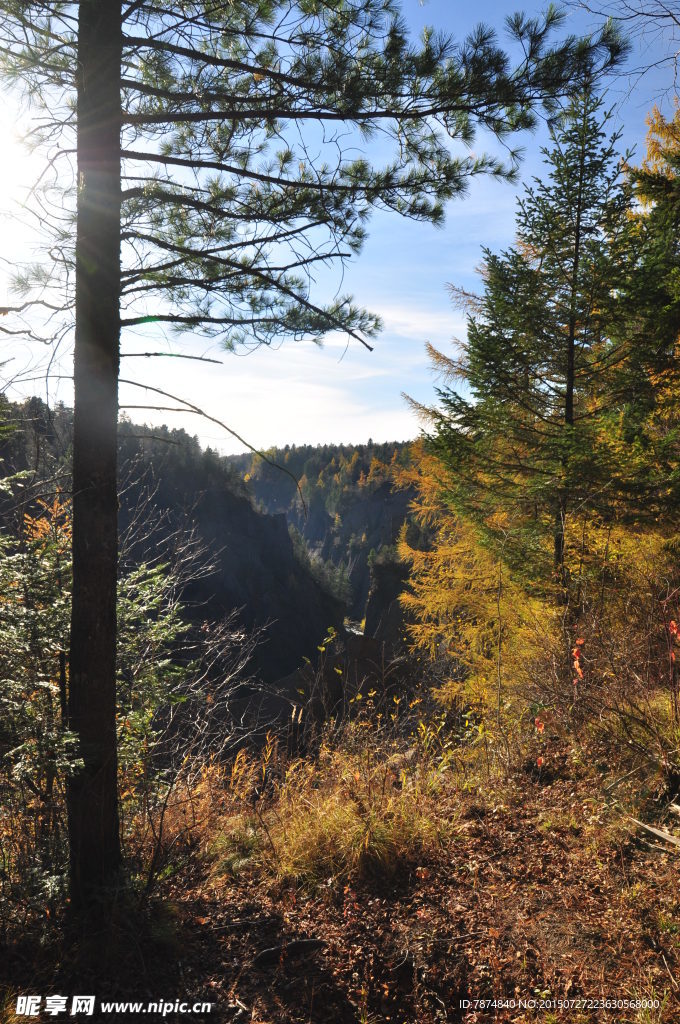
{"x":378,"y":516}
{"x":384,"y":613}
{"x":166,"y":479}
{"x":169,"y":487}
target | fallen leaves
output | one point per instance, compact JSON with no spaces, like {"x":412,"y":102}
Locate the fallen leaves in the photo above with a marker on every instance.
{"x":537,"y":892}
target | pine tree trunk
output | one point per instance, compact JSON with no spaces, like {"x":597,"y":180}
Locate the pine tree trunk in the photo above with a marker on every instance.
{"x":92,"y":794}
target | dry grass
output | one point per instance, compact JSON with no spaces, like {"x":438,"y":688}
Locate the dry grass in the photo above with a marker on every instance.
{"x":531,"y":882}
{"x":358,"y":811}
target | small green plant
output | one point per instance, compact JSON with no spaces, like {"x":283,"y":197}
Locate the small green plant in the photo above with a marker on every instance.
{"x":236,"y":845}
{"x":667,"y":925}
{"x":651,"y":1014}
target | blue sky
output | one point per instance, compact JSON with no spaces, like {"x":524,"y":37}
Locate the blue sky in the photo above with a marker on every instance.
{"x":300,"y":393}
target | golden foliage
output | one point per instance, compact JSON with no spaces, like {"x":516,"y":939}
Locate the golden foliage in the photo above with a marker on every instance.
{"x":662,"y":136}
{"x":502,"y":651}
{"x":462,"y":607}
{"x":53,"y":526}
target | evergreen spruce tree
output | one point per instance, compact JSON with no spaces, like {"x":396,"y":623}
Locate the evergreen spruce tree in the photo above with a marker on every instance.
{"x":548,"y":358}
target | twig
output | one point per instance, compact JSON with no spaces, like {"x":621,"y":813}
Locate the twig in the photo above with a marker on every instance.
{"x":293,"y":948}
{"x":660,"y":832}
{"x":242,"y":923}
{"x":267,"y":833}
{"x":670,"y":975}
{"x":450,"y":938}
{"x":617,"y":782}
{"x":168,"y":355}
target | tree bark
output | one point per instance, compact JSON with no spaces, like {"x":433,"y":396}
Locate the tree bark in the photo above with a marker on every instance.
{"x":92,"y":793}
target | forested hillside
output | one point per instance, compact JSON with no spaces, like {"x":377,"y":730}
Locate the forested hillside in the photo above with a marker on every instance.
{"x":345,"y":507}
{"x":308,"y":556}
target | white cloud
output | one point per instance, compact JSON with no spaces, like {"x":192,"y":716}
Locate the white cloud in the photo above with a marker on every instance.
{"x":435,"y":325}
{"x":279,"y":408}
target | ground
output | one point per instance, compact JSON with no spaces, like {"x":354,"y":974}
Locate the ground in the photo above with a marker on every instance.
{"x":545,"y":891}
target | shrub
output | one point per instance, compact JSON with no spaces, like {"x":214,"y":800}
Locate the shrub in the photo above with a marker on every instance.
{"x":172,"y":710}
{"x":356,"y":812}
